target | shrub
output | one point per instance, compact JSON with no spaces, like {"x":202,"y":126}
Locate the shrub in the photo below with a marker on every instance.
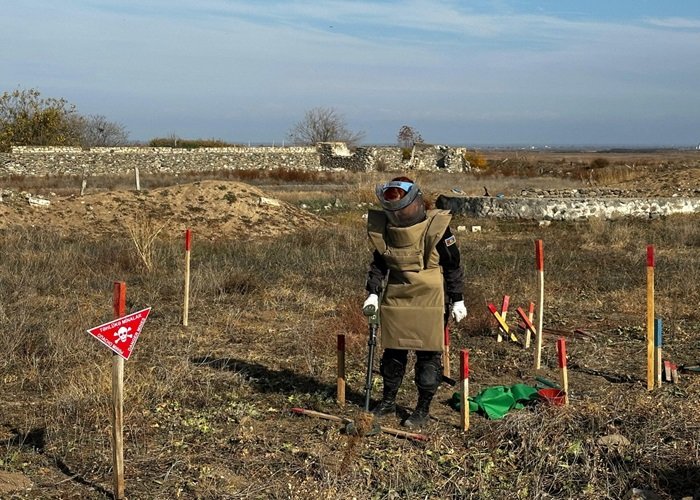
{"x":475,"y":159}
{"x":600,"y":163}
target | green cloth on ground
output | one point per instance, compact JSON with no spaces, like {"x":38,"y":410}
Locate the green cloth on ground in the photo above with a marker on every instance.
{"x":496,"y":402}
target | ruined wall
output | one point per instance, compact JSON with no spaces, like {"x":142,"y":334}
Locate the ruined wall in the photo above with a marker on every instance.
{"x":120,"y":160}
{"x":567,"y":208}
{"x":96,"y":161}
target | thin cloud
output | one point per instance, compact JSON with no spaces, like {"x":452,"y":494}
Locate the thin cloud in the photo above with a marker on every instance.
{"x":675,"y":22}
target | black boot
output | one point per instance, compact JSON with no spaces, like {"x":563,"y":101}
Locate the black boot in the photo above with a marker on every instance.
{"x":392,"y":371}
{"x":421,"y":415}
{"x":385,"y":406}
{"x":428,"y":374}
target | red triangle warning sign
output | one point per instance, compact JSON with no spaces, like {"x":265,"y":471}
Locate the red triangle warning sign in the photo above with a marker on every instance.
{"x":121,"y":334}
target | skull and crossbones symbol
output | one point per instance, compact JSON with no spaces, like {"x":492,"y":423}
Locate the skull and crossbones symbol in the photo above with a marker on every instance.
{"x":122,"y":334}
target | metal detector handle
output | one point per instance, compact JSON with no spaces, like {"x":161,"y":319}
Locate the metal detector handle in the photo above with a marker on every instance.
{"x":371,"y":345}
{"x":372,"y":314}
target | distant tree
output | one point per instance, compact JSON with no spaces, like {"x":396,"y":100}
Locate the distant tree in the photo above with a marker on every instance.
{"x":98,"y":131}
{"x":27,"y":119}
{"x":408,"y":136}
{"x":323,"y":125}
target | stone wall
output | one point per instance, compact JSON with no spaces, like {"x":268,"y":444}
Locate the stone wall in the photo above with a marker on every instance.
{"x":567,"y":208}
{"x":99,"y":161}
{"x":23,"y":160}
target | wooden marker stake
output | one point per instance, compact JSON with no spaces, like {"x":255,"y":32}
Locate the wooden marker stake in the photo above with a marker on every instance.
{"x":539,"y":263}
{"x":504,"y":312}
{"x":561,"y":352}
{"x":341,"y":369}
{"x":186,"y":304}
{"x":530,"y":316}
{"x":464,"y":393}
{"x":502,"y":324}
{"x":446,"y":369}
{"x":529,"y":327}
{"x":119,"y":307}
{"x":137,"y":178}
{"x":650,"y":317}
{"x":658,"y":344}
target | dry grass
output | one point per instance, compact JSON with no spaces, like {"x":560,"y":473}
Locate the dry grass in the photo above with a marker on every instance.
{"x":207,"y":406}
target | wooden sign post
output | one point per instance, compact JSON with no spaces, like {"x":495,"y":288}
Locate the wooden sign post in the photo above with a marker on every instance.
{"x":446,"y":368}
{"x":341,"y":369}
{"x":186,"y":302}
{"x":658,"y":344}
{"x":464,"y":393}
{"x":539,"y":263}
{"x":561,"y":352}
{"x":119,"y":307}
{"x":650,"y":317}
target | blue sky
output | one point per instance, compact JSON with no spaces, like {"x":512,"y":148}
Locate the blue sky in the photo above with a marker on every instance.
{"x":501,"y":72}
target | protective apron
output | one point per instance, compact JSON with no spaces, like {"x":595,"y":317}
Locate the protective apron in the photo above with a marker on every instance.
{"x":413,"y":305}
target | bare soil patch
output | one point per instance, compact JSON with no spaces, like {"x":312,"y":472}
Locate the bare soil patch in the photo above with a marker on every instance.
{"x":214,"y":209}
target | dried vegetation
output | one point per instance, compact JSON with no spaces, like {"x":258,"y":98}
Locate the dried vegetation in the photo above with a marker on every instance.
{"x":207,"y":407}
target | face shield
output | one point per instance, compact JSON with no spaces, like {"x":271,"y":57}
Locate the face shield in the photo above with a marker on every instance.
{"x":402,"y":202}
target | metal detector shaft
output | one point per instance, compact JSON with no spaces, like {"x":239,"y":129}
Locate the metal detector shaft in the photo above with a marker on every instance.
{"x":371,"y":345}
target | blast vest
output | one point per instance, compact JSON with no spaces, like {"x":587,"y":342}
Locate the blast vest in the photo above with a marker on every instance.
{"x":413,"y":306}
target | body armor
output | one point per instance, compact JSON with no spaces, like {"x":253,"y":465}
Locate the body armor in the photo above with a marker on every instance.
{"x":413,"y":304}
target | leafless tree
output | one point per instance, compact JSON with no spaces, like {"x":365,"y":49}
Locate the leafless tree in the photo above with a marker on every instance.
{"x":323,"y":124}
{"x":408,"y":137}
{"x":98,"y":131}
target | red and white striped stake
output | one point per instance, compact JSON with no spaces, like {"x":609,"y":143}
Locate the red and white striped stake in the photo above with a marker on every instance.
{"x":539,"y":263}
{"x":186,"y":302}
{"x":464,"y":392}
{"x":529,"y":327}
{"x":502,"y":324}
{"x":650,"y":317}
{"x":119,"y":309}
{"x":341,"y":369}
{"x":530,"y":316}
{"x":561,"y":352}
{"x":504,"y":313}
{"x":446,"y":369}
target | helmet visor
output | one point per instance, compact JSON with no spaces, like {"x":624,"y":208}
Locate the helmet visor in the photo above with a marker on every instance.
{"x":402,"y":202}
{"x":386,"y":194}
{"x":409,"y":215}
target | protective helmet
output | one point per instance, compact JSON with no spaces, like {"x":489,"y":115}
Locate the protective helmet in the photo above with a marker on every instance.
{"x":402,"y":202}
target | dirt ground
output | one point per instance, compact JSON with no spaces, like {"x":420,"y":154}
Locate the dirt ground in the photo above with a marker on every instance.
{"x":253,"y":354}
{"x":214,"y":208}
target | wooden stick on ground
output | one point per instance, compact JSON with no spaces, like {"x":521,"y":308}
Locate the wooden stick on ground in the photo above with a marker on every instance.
{"x":343,"y":420}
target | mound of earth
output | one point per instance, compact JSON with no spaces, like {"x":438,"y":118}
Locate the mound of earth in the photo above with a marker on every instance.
{"x":212,"y":209}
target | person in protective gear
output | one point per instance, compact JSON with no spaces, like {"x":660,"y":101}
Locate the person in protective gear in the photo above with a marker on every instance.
{"x":416,"y":263}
